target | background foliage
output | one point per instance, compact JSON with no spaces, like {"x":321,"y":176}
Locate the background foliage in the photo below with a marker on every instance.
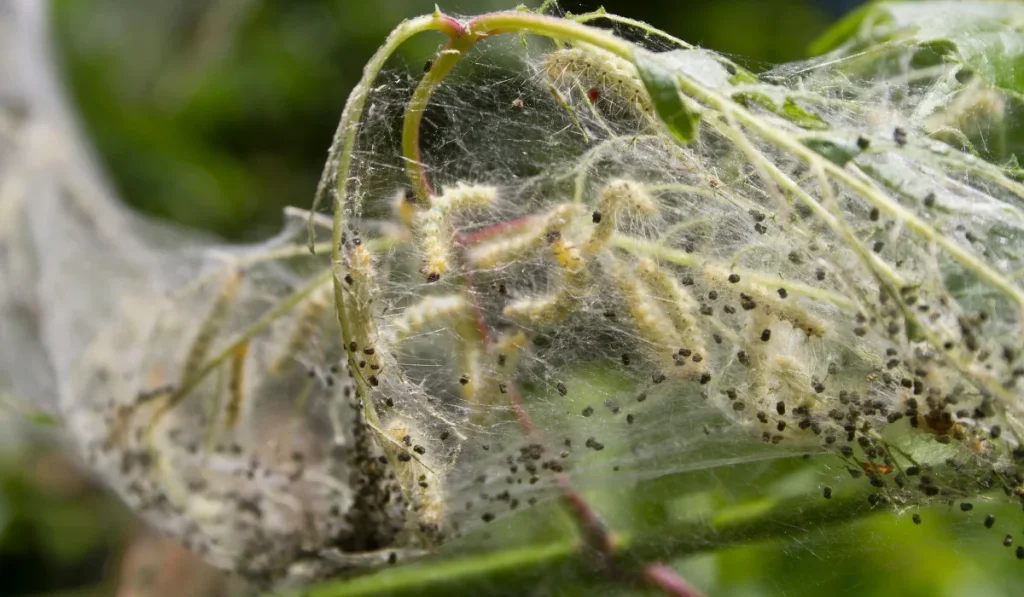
{"x":216,"y":114}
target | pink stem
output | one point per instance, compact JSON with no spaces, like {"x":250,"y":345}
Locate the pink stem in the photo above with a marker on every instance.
{"x":665,"y":579}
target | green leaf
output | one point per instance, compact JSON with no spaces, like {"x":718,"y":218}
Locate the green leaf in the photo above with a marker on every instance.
{"x":44,"y":419}
{"x":840,"y":32}
{"x":988,"y":37}
{"x":742,"y":76}
{"x":667,"y":98}
{"x":838,"y":152}
{"x":749,"y":99}
{"x":789,"y":110}
{"x":16,"y":407}
{"x":534,"y":568}
{"x":801,"y":117}
{"x":981,"y":42}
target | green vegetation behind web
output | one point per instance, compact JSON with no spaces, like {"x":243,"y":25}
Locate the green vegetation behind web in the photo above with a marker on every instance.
{"x":213,"y":114}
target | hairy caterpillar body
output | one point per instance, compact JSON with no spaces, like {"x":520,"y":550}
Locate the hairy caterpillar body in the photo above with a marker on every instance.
{"x":506,"y":250}
{"x":592,"y":66}
{"x":433,"y":224}
{"x":575,"y":284}
{"x":617,"y":195}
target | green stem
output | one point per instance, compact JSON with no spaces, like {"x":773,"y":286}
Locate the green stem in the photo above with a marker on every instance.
{"x":562,"y":29}
{"x":284,"y":306}
{"x":542,"y":565}
{"x":339,"y":160}
{"x":773,"y":174}
{"x":646,"y":28}
{"x":446,"y":60}
{"x":874,"y":196}
{"x":521,"y":567}
{"x":552,"y":27}
{"x":336,"y":174}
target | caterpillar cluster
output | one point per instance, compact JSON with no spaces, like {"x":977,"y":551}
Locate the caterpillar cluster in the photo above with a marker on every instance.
{"x":781,"y":302}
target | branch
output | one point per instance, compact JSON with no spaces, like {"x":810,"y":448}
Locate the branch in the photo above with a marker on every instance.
{"x":551,"y":564}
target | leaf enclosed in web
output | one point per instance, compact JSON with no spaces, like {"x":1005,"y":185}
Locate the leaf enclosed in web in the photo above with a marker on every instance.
{"x":787,"y":107}
{"x":666,"y":96}
{"x":785,"y":511}
{"x":986,"y":37}
{"x":967,"y":56}
{"x":837,"y":151}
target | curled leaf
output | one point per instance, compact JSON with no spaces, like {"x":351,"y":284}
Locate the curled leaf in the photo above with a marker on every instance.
{"x":667,"y":98}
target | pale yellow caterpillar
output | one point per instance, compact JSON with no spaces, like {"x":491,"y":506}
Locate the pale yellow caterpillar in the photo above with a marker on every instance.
{"x":558,"y":305}
{"x":236,"y":385}
{"x":756,"y":361}
{"x":361,"y":286}
{"x":212,"y":324}
{"x":656,"y":327}
{"x":307,"y":328}
{"x":677,"y":303}
{"x":795,"y":381}
{"x":417,"y":473}
{"x":594,"y":67}
{"x":506,"y":250}
{"x":429,"y":310}
{"x":433,"y":225}
{"x":616,"y":196}
{"x":757,"y":296}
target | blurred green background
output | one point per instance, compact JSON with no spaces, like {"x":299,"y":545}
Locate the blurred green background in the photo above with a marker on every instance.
{"x":215,"y":114}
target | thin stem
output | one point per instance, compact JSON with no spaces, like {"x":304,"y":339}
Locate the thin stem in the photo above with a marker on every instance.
{"x":598,"y":537}
{"x":339,"y":160}
{"x":876,"y":197}
{"x":282,"y":307}
{"x":646,"y":28}
{"x":553,"y":27}
{"x":668,"y":581}
{"x":536,"y":565}
{"x":417,"y":106}
{"x":977,"y":167}
{"x":576,"y":32}
{"x":335,"y":177}
{"x":562,"y":29}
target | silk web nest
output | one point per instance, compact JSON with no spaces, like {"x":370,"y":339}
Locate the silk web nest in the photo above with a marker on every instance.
{"x":592,"y":261}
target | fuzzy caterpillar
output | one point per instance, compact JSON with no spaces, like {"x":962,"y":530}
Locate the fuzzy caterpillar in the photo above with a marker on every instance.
{"x":680,"y":349}
{"x":417,"y":474}
{"x":361,"y":285}
{"x":506,"y":250}
{"x":618,"y":195}
{"x":595,"y":67}
{"x":677,"y":304}
{"x":307,"y":328}
{"x":557,"y":306}
{"x":754,"y":295}
{"x":434,"y":224}
{"x":236,"y":386}
{"x":430,"y":309}
{"x":215,"y":320}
